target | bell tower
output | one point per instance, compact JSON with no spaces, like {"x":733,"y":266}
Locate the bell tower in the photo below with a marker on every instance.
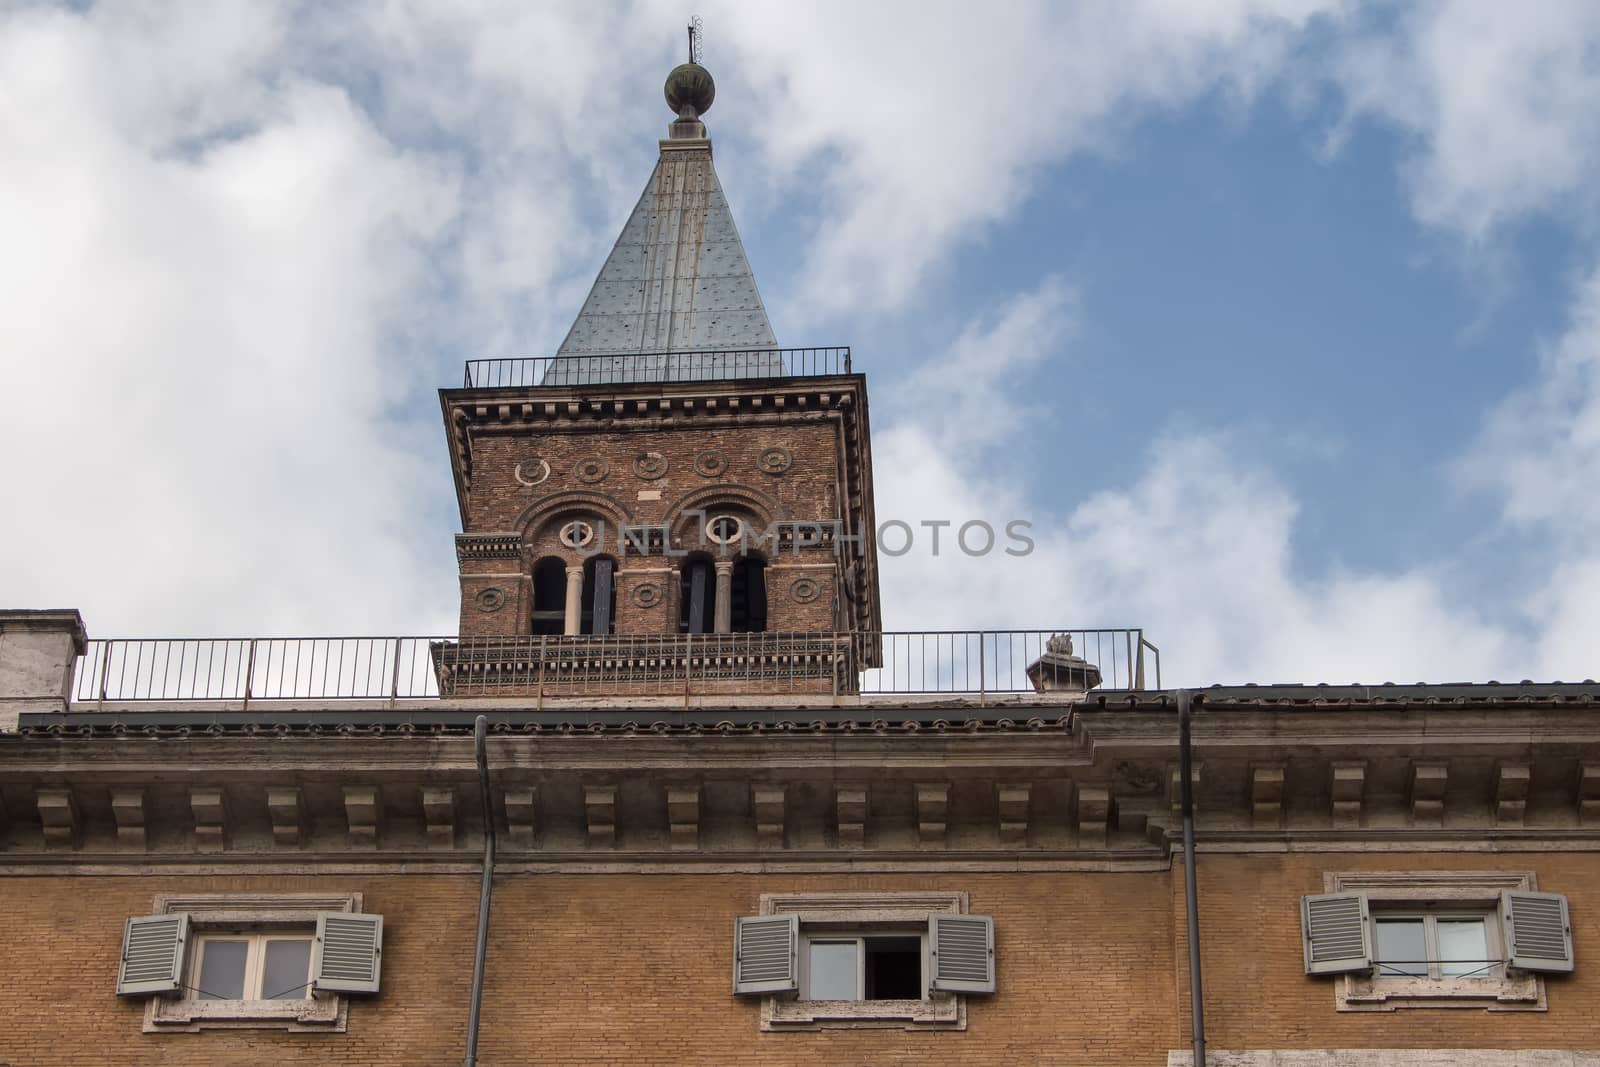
{"x":671,"y":503}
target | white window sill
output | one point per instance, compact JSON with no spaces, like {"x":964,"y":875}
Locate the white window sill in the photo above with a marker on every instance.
{"x":941,"y":1011}
{"x":319,"y":1014}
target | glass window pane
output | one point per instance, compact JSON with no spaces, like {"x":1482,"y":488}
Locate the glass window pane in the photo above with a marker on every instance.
{"x":1402,"y":948}
{"x":287,"y":967}
{"x":1464,"y":948}
{"x":833,"y":970}
{"x":222,"y":969}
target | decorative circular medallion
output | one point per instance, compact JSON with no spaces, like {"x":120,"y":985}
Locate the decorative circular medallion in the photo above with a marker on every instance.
{"x":710,"y":464}
{"x":532,"y":471}
{"x":650,"y":466}
{"x":774,"y":460}
{"x":591,"y":469}
{"x":577,"y":534}
{"x":491,"y":601}
{"x":647,"y":595}
{"x":804,"y":590}
{"x":725,"y":529}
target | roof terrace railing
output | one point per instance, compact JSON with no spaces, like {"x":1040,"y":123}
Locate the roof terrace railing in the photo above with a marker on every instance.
{"x":388,"y":669}
{"x":708,"y":365}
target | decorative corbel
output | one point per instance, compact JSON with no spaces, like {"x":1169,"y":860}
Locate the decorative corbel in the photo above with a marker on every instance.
{"x":520,"y":817}
{"x":683,"y":816}
{"x":127,"y":808}
{"x":1266,"y":796}
{"x":767,"y":801}
{"x":1094,"y":815}
{"x":210,"y":808}
{"x":1349,"y":785}
{"x":851,"y":804}
{"x":1012,"y":802}
{"x":361,"y":813}
{"x":439,"y":813}
{"x":933,"y":806}
{"x":1511,"y":785}
{"x":1428,"y":781}
{"x":1589,"y":793}
{"x":600,"y":811}
{"x":58,"y":816}
{"x":284,"y":809}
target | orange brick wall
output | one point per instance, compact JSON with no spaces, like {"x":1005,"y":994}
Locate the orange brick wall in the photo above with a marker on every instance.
{"x":1250,"y":940}
{"x":623,"y":968}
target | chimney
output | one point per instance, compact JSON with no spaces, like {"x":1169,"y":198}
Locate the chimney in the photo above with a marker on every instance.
{"x":37,"y":651}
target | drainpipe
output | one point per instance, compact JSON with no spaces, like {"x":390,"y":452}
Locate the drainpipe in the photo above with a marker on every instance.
{"x":1197,"y":1011}
{"x":480,"y":748}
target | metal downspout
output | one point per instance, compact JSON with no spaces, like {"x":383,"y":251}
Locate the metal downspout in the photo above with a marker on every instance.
{"x":480,"y":747}
{"x":1197,"y":1011}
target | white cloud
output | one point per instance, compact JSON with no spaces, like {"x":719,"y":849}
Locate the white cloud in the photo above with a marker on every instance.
{"x":1499,"y":99}
{"x":1199,"y":551}
{"x":928,"y":122}
{"x":244,"y":242}
{"x":205,"y":335}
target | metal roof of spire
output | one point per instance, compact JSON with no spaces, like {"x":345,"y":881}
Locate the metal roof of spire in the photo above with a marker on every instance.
{"x":677,"y":284}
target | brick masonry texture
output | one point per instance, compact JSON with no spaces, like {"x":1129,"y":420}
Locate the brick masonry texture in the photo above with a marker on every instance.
{"x":808,"y":491}
{"x":634,"y":968}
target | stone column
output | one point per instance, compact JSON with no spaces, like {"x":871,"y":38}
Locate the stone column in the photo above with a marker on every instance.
{"x":574,"y":621}
{"x":38,"y":650}
{"x":723,"y":617}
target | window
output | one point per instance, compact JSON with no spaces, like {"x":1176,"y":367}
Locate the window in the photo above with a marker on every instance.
{"x":549,"y":596}
{"x":869,"y":966}
{"x":284,"y":962}
{"x":1436,"y":939}
{"x":748,"y":596}
{"x":253,"y":966}
{"x":864,"y":960}
{"x":697,"y":597}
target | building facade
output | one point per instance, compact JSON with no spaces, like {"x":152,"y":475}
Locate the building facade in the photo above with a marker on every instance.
{"x":722,"y":816}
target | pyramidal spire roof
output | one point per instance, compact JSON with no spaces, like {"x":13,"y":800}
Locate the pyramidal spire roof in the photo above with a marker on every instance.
{"x":676,"y":299}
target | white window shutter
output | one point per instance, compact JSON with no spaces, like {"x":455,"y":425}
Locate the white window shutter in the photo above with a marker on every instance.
{"x":347,"y":955}
{"x":1538,"y":931}
{"x":153,"y":951}
{"x":766,"y":953}
{"x":1338,"y":935}
{"x":961,"y":948}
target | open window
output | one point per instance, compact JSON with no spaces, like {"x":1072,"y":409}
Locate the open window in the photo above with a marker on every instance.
{"x":256,"y":962}
{"x":874,"y":960}
{"x":1436,"y":939}
{"x":549,"y":596}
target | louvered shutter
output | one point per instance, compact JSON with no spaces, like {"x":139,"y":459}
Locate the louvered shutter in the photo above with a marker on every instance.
{"x":1338,"y":936}
{"x":962,"y":952}
{"x":766,"y":951}
{"x":348,"y":952}
{"x":1538,"y":931}
{"x":153,"y":950}
{"x":601,"y":615}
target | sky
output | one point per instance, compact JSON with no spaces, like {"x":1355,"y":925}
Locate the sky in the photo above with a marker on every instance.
{"x":1278,"y":320}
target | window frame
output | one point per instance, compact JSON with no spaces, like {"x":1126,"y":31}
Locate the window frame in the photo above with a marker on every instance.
{"x":821,"y":933}
{"x":1434,"y":895}
{"x":858,"y":916}
{"x":236,"y":917}
{"x":255,"y":960}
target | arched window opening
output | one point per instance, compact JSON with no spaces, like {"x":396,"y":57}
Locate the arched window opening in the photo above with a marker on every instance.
{"x":599,"y":595}
{"x":697,"y":596}
{"x":549,"y":596}
{"x":748,"y":600}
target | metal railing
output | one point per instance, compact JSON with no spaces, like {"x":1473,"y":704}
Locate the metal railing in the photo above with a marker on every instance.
{"x":707,"y":365}
{"x":956,"y":663}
